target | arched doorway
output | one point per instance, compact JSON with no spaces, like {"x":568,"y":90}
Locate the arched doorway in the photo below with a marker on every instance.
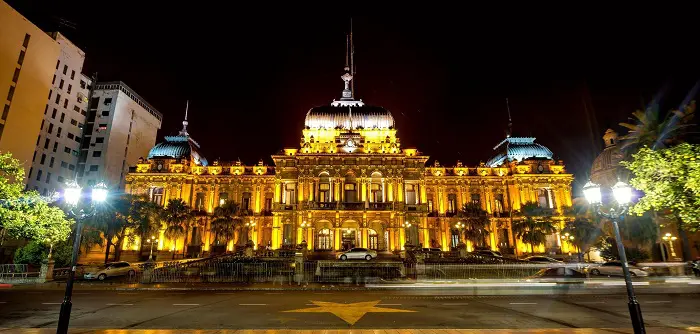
{"x":373,"y":241}
{"x":324,"y":239}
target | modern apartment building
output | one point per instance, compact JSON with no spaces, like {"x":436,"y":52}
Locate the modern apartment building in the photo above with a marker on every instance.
{"x":27,"y":64}
{"x":121,"y":127}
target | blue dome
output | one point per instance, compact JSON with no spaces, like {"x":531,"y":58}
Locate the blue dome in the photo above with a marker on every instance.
{"x":178,"y":147}
{"x":519,"y":149}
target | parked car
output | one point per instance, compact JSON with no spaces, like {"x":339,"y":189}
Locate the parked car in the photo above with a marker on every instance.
{"x":614,"y":268}
{"x":111,"y":270}
{"x":542,"y":259}
{"x":357,"y":254}
{"x":488,"y":252}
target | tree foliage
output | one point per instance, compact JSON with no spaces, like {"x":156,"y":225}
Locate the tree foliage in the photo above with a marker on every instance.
{"x":670,"y":181}
{"x":534,"y":224}
{"x":224,"y":222}
{"x":648,"y":129}
{"x":476,"y":223}
{"x":27,"y":215}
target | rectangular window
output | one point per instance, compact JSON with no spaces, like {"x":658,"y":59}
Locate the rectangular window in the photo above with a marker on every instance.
{"x":476,"y":199}
{"x":76,"y":109}
{"x":38,"y":175}
{"x":46,"y":108}
{"x":55,"y":146}
{"x":38,"y":140}
{"x":73,"y":122}
{"x":70,"y":87}
{"x":223,"y":197}
{"x":60,"y":179}
{"x":93,"y":168}
{"x":65,"y":104}
{"x":103,"y":126}
{"x":43,"y":158}
{"x":26,"y":40}
{"x":53,"y":81}
{"x":15,"y":76}
{"x":70,"y":135}
{"x":66,"y":149}
{"x":65,"y":69}
{"x":50,"y":128}
{"x":71,"y":167}
{"x":99,"y":140}
{"x":11,"y":93}
{"x":48,"y":177}
{"x":96,"y":154}
{"x":77,"y":139}
{"x":72,"y":76}
{"x":50,"y":93}
{"x":63,"y":116}
{"x":108,"y":101}
{"x":53,"y":114}
{"x":46,"y":143}
{"x":157,"y":195}
{"x":60,"y":84}
{"x":51,"y":162}
{"x":94,"y":102}
{"x":5,"y":111}
{"x":58,"y":99}
{"x":58,"y":133}
{"x":42,"y":124}
{"x":58,"y":63}
{"x":20,"y":60}
{"x":31,"y":169}
{"x":452,"y":203}
{"x":430,"y":205}
{"x":64,"y":164}
{"x":105,"y":112}
{"x":82,"y":84}
{"x":34,"y":156}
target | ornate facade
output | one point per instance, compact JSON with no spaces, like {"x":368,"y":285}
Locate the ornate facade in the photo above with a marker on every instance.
{"x":350,"y":183}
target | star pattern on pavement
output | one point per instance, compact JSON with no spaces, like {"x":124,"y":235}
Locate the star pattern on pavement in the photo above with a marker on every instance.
{"x":350,"y":313}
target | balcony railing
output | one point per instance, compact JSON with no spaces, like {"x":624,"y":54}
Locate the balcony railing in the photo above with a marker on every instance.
{"x":380,"y":206}
{"x":322,"y":205}
{"x":284,"y":206}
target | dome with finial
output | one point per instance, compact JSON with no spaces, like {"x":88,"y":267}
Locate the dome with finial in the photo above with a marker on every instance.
{"x":606,"y":169}
{"x":518,"y":149}
{"x":181,"y":146}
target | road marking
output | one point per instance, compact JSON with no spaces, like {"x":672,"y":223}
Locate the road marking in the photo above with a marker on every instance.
{"x":694,"y":282}
{"x":623,"y":283}
{"x":119,"y":304}
{"x":658,"y":301}
{"x":252,"y":304}
{"x":50,"y":303}
{"x":591,"y":302}
{"x":455,"y":304}
{"x":523,"y":303}
{"x":185,"y":304}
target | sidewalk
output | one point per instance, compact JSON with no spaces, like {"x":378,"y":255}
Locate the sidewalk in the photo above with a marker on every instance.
{"x":356,"y":331}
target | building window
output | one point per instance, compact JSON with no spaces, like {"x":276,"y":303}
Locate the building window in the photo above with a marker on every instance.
{"x":72,"y":75}
{"x":20,"y":60}
{"x":26,"y":40}
{"x":58,"y":63}
{"x":5,"y":111}
{"x":452,"y":203}
{"x":53,"y":113}
{"x":55,"y":147}
{"x":325,"y":239}
{"x":65,"y":104}
{"x":545,"y":198}
{"x":31,"y":169}
{"x":105,"y":112}
{"x":58,"y":99}
{"x":60,"y":179}
{"x":82,"y":84}
{"x":223,"y":197}
{"x":96,"y":154}
{"x":108,"y":101}
{"x":430,"y":205}
{"x":499,"y":203}
{"x":42,"y":124}
{"x":60,"y":84}
{"x":94,"y":168}
{"x":43,"y":158}
{"x":199,"y":201}
{"x":53,"y":81}
{"x":48,"y":177}
{"x":58,"y":133}
{"x":66,"y":149}
{"x":51,"y":162}
{"x":411,"y":197}
{"x":70,"y":135}
{"x":289,"y":192}
{"x":76,"y":109}
{"x":34,"y":156}
{"x":65,"y":69}
{"x":71,"y":167}
{"x":46,"y":143}
{"x":476,"y":199}
{"x":11,"y":93}
{"x":157,"y":195}
{"x":70,"y":87}
{"x":63,"y":116}
{"x":99,"y":140}
{"x":64,"y":164}
{"x":73,"y":122}
{"x":50,"y":127}
{"x":15,"y":76}
{"x":103,"y":126}
{"x":246,"y":201}
{"x":268,"y":204}
{"x":38,"y":175}
{"x":376,"y":191}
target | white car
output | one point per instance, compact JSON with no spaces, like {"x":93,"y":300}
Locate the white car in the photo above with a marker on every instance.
{"x":111,"y":270}
{"x":614,"y":268}
{"x":357,"y":254}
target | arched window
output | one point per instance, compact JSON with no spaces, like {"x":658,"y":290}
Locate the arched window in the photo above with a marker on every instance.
{"x":373,"y":239}
{"x":376,"y":188}
{"x":324,"y":239}
{"x":350,"y":189}
{"x":324,"y":188}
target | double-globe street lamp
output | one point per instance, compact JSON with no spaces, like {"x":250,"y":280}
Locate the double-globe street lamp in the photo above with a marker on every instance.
{"x":151,"y":241}
{"x":623,"y":196}
{"x":72,"y":196}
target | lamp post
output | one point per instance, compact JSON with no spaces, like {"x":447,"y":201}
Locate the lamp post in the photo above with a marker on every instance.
{"x":72,"y":196}
{"x":250,"y":225}
{"x":303,"y":226}
{"x":623,"y":195}
{"x":670,"y":239}
{"x":151,"y":241}
{"x":570,"y":238}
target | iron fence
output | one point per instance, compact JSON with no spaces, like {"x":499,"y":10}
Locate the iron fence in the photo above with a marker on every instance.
{"x":13,"y":271}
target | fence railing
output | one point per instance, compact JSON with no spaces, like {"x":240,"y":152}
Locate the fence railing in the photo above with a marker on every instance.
{"x":13,"y":271}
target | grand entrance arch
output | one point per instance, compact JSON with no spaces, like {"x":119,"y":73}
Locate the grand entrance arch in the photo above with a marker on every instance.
{"x":350,"y":238}
{"x":324,"y":239}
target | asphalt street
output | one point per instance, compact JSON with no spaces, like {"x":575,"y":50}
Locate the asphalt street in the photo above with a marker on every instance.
{"x":116,"y":309}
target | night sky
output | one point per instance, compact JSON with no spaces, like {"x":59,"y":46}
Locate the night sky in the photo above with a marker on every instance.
{"x":252,"y":72}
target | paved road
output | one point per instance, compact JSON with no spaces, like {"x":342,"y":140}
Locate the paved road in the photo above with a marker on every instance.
{"x":338,"y":310}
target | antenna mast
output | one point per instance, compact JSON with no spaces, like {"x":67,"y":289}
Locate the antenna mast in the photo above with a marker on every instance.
{"x":509,"y":132}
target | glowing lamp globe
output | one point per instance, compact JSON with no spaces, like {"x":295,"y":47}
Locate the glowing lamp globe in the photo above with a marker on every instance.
{"x":72,"y":192}
{"x":99,"y":193}
{"x":592,"y":193}
{"x":622,"y":193}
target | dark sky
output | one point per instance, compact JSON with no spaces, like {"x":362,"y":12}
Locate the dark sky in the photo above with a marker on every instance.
{"x":252,"y":72}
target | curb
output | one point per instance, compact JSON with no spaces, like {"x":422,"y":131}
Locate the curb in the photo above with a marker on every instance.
{"x":5,"y":286}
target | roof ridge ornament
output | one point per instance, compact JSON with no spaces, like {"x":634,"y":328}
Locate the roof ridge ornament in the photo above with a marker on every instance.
{"x":185,"y":123}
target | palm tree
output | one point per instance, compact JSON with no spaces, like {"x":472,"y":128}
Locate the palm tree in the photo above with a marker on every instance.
{"x":648,"y":129}
{"x":534,"y":225}
{"x":225,"y":220}
{"x":145,"y":216}
{"x":585,"y":232}
{"x":476,"y":223}
{"x":177,"y":216}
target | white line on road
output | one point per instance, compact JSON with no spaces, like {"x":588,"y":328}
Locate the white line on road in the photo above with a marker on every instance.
{"x":119,"y":304}
{"x":455,"y":304}
{"x":252,"y":304}
{"x":694,"y":282}
{"x":185,"y":304}
{"x":50,"y":303}
{"x":623,"y":283}
{"x":523,"y":303}
{"x":658,"y":301}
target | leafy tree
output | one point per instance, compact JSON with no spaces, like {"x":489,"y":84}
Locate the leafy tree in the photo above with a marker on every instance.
{"x":144,"y":217}
{"x":648,"y":129}
{"x":112,"y":219}
{"x":670,"y":181}
{"x":177,"y":216}
{"x":534,"y":225}
{"x":225,"y":220}
{"x":585,"y":232}
{"x":26,"y":214}
{"x":476,"y":223}
{"x":35,"y":252}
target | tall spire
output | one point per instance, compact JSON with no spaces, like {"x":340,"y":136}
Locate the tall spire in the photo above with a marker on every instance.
{"x":509,"y":131}
{"x":348,"y":96}
{"x":352,"y":61}
{"x":184,"y":123}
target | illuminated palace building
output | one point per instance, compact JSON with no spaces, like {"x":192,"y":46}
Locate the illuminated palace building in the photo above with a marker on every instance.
{"x":351,"y":184}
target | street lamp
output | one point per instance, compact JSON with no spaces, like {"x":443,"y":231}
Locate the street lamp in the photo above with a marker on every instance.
{"x":151,"y":241}
{"x":72,"y":196}
{"x":623,"y":195}
{"x":670,"y":239}
{"x":303,"y":226}
{"x":250,"y":225}
{"x":406,"y":226}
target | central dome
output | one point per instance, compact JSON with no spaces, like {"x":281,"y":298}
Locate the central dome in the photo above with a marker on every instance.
{"x":347,"y":116}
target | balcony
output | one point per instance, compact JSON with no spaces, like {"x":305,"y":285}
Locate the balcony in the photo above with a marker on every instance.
{"x":417,"y":207}
{"x":352,"y":206}
{"x":381,"y":206}
{"x":322,"y":205}
{"x":284,"y":207}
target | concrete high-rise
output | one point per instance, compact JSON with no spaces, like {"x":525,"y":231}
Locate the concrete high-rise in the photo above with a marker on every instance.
{"x":27,"y":64}
{"x":120,"y":128}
